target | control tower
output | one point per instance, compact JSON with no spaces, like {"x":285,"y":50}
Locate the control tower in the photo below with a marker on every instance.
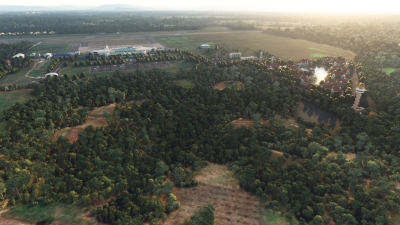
{"x":360,"y":90}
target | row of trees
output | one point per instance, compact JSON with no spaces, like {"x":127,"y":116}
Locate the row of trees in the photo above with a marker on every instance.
{"x":96,"y":22}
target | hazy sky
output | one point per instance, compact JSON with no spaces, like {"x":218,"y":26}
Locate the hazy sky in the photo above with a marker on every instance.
{"x":258,"y":5}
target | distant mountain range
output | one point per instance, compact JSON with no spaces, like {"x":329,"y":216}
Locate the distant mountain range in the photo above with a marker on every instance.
{"x":126,"y":7}
{"x":111,"y":7}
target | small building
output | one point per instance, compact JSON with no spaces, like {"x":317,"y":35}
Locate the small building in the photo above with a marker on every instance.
{"x":34,"y":55}
{"x":339,"y":63}
{"x":248,"y":58}
{"x":205,"y":46}
{"x":333,"y":88}
{"x":48,"y":55}
{"x":292,"y":67}
{"x":50,"y":75}
{"x":273,"y":66}
{"x":235,"y":55}
{"x":19,"y":55}
{"x":304,"y":63}
{"x":339,"y":75}
{"x":303,"y":78}
{"x":329,"y":58}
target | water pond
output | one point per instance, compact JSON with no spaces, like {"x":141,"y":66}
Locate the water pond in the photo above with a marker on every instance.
{"x":314,"y":113}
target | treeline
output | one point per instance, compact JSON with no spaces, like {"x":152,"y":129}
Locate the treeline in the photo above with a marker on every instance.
{"x":96,"y":22}
{"x":7,"y":51}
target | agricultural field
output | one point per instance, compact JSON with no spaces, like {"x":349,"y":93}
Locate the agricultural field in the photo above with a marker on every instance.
{"x":233,"y":205}
{"x":285,"y":48}
{"x":388,"y":70}
{"x":51,"y":47}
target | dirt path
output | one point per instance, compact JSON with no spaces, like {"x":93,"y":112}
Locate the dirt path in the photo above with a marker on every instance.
{"x":16,"y":90}
{"x":96,"y":118}
{"x":354,"y":81}
{"x":26,"y":75}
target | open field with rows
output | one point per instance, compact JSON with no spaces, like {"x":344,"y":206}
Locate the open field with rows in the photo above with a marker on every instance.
{"x":285,"y":48}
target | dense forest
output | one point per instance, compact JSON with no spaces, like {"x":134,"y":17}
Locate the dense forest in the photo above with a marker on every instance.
{"x":96,"y":22}
{"x":147,"y":149}
{"x":176,"y":130}
{"x":7,"y":51}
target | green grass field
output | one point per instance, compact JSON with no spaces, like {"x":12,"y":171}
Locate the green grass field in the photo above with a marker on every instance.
{"x":17,"y":78}
{"x":7,"y":99}
{"x":285,"y":48}
{"x":388,"y":70}
{"x":185,"y":83}
{"x":275,"y":218}
{"x":55,"y":212}
{"x":46,"y":47}
{"x":177,"y":65}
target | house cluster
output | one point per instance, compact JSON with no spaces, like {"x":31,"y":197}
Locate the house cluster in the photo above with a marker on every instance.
{"x":337,"y":82}
{"x":340,"y":68}
{"x":304,"y":63}
{"x":23,"y":33}
{"x":303,"y":78}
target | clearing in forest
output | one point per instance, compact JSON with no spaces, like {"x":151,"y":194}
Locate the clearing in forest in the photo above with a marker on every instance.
{"x":289,"y":123}
{"x":222,"y":85}
{"x":232,"y":205}
{"x":9,"y":98}
{"x":96,"y":118}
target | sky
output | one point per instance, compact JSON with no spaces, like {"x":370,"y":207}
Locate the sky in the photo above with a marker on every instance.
{"x":355,"y":6}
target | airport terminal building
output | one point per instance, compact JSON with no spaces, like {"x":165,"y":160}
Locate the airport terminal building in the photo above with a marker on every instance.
{"x":124,"y":51}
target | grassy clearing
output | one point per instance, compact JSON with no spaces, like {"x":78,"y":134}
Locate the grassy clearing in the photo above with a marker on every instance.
{"x":8,"y":99}
{"x":275,"y":218}
{"x":74,"y":70}
{"x":285,"y":48}
{"x":185,"y":83}
{"x":388,"y":70}
{"x":177,"y":65}
{"x":12,"y":78}
{"x":46,"y":47}
{"x":53,"y":213}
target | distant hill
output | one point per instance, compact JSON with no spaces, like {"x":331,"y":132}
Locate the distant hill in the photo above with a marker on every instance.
{"x":108,"y":7}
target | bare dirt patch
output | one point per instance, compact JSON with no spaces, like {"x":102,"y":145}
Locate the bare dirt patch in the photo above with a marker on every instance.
{"x":222,"y":85}
{"x":96,"y":118}
{"x":348,"y":156}
{"x":217,"y":186}
{"x":289,"y":123}
{"x":8,"y":221}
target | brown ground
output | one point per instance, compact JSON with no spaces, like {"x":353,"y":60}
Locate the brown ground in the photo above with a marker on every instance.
{"x":210,"y":33}
{"x":371,"y":103}
{"x":96,"y":118}
{"x":222,"y":85}
{"x":349,"y":156}
{"x":289,"y":123}
{"x":217,"y":186}
{"x":8,"y":221}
